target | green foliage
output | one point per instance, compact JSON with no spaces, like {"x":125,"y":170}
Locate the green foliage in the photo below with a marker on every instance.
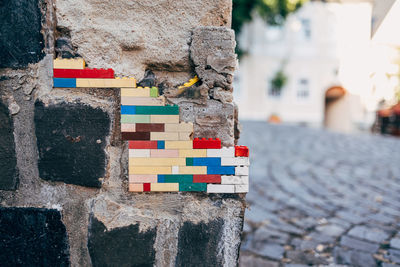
{"x":279,"y":81}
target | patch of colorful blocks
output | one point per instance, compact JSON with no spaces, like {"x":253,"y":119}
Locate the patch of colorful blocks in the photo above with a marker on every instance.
{"x":162,"y":155}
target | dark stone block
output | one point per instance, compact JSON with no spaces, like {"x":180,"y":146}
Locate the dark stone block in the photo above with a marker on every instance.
{"x":21,"y":42}
{"x":8,"y":160}
{"x":120,"y":247}
{"x":198,"y":244}
{"x":353,"y":257}
{"x":32,"y":237}
{"x":71,"y":139}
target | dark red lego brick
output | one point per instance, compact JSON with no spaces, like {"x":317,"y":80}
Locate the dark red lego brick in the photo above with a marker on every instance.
{"x":146,"y":187}
{"x":135,"y":136}
{"x":204,"y":178}
{"x":142,"y":144}
{"x":85,"y":73}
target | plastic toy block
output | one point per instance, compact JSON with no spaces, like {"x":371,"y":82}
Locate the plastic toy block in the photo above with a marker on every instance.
{"x":241,"y":151}
{"x":85,"y":73}
{"x":179,"y":127}
{"x":205,"y":162}
{"x":161,"y":144}
{"x":220,"y":188}
{"x":142,"y":178}
{"x":241,"y":188}
{"x":164,"y":118}
{"x":64,"y":83}
{"x":192,"y":81}
{"x":128,"y":110}
{"x":145,"y":100}
{"x":105,"y":83}
{"x":193,"y":187}
{"x":130,"y":93}
{"x":223,"y":170}
{"x":135,"y":187}
{"x":149,"y":170}
{"x":139,"y":153}
{"x":157,"y":161}
{"x":175,"y":170}
{"x":164,"y":153}
{"x":242,"y":170}
{"x":128,"y":127}
{"x":69,"y":63}
{"x":238,"y":161}
{"x":206,"y":143}
{"x":210,"y":179}
{"x":178,"y":145}
{"x":233,"y":179}
{"x":149,"y":127}
{"x":192,"y":169}
{"x":225,"y":152}
{"x":142,"y":144}
{"x":157,"y":110}
{"x":135,"y":136}
{"x":154,"y":92}
{"x":184,"y":153}
{"x":164,"y":136}
{"x":185,"y":136}
{"x":189,"y":161}
{"x":175,"y":178}
{"x":135,"y":118}
{"x":164,"y":187}
{"x":146,"y":187}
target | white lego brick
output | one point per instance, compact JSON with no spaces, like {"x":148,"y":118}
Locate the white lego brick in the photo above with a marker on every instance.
{"x":241,"y":188}
{"x":239,"y":161}
{"x":233,"y":179}
{"x":220,"y":188}
{"x":225,"y":152}
{"x":175,"y":169}
{"x":139,"y":153}
{"x":242,"y":170}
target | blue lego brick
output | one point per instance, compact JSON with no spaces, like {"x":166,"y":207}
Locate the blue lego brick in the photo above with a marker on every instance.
{"x":160,"y":144}
{"x":64,"y":82}
{"x":128,"y":110}
{"x":206,"y":162}
{"x":223,"y":170}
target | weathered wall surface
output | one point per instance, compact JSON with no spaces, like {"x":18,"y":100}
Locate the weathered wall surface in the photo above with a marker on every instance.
{"x":62,"y":161}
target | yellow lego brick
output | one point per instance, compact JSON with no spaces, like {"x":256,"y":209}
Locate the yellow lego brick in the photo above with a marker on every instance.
{"x":164,"y":187}
{"x":135,"y":92}
{"x":135,"y":187}
{"x":192,"y":170}
{"x":192,"y":153}
{"x":142,"y":101}
{"x":178,"y":144}
{"x":192,"y":81}
{"x":185,"y":136}
{"x":69,"y":63}
{"x":106,"y":83}
{"x":164,"y":119}
{"x":164,"y":136}
{"x":179,"y":127}
{"x":156,"y":162}
{"x":149,"y":170}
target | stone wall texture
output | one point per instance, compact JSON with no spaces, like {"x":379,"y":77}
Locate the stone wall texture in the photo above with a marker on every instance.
{"x":64,"y":168}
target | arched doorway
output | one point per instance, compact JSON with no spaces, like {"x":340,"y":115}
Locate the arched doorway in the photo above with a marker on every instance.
{"x":337,"y":110}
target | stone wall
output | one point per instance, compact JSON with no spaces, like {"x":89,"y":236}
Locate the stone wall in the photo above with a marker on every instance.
{"x":63,"y":165}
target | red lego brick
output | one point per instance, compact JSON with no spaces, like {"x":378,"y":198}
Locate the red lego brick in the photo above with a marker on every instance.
{"x":85,"y":73}
{"x":241,"y":151}
{"x":146,"y":187}
{"x":142,"y":144}
{"x":204,"y":143}
{"x":204,"y":178}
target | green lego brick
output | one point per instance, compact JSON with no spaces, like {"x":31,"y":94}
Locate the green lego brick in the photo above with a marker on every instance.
{"x":178,"y":178}
{"x":189,"y":161}
{"x":135,"y":118}
{"x":157,"y":110}
{"x":201,"y":187}
{"x":153,"y":92}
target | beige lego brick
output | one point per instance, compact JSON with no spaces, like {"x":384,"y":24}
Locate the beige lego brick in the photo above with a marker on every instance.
{"x":139,"y":153}
{"x":106,"y":83}
{"x":185,"y":136}
{"x":164,"y":187}
{"x":164,"y":136}
{"x":192,"y":170}
{"x":73,"y":63}
{"x":179,"y":127}
{"x":192,"y":153}
{"x":149,"y":170}
{"x":178,"y":145}
{"x":142,"y":101}
{"x":128,"y":127}
{"x":135,"y":187}
{"x":164,"y":118}
{"x":157,"y":162}
{"x":135,"y":92}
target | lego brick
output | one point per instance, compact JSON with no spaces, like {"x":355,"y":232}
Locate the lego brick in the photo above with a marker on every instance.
{"x":139,"y":153}
{"x":175,"y":178}
{"x":238,"y":161}
{"x":206,"y":143}
{"x":175,"y":170}
{"x":160,"y":144}
{"x":128,"y":127}
{"x":242,"y":170}
{"x":157,"y":110}
{"x":204,"y":178}
{"x":146,"y":187}
{"x":128,"y":110}
{"x":149,"y":127}
{"x":164,"y":118}
{"x":225,"y":152}
{"x":178,"y":145}
{"x":192,"y":169}
{"x":135,"y":136}
{"x":192,"y":81}
{"x":143,"y":178}
{"x":241,"y":188}
{"x":135,"y":118}
{"x":234,"y":179}
{"x":85,"y":73}
{"x":154,"y":92}
{"x":164,"y":187}
{"x":193,"y":187}
{"x":141,"y":101}
{"x":105,"y":83}
{"x":64,"y":83}
{"x":164,"y":153}
{"x":203,"y":161}
{"x":185,"y":136}
{"x":135,"y":187}
{"x":142,"y":144}
{"x":184,"y":153}
{"x":157,"y":161}
{"x":69,"y":63}
{"x":189,"y":161}
{"x":164,"y":136}
{"x":149,"y":170}
{"x":223,"y":170}
{"x":220,"y":188}
{"x":241,"y":151}
{"x":179,"y":127}
{"x":131,"y":93}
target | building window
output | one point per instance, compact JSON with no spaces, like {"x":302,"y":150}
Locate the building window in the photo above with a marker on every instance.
{"x":306,"y":28}
{"x":274,"y":92}
{"x":303,"y":91}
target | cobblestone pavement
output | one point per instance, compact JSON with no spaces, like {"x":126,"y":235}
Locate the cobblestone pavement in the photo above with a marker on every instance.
{"x":321,"y":198}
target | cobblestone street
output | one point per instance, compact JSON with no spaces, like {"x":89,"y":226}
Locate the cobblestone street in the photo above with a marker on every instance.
{"x":321,"y":198}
